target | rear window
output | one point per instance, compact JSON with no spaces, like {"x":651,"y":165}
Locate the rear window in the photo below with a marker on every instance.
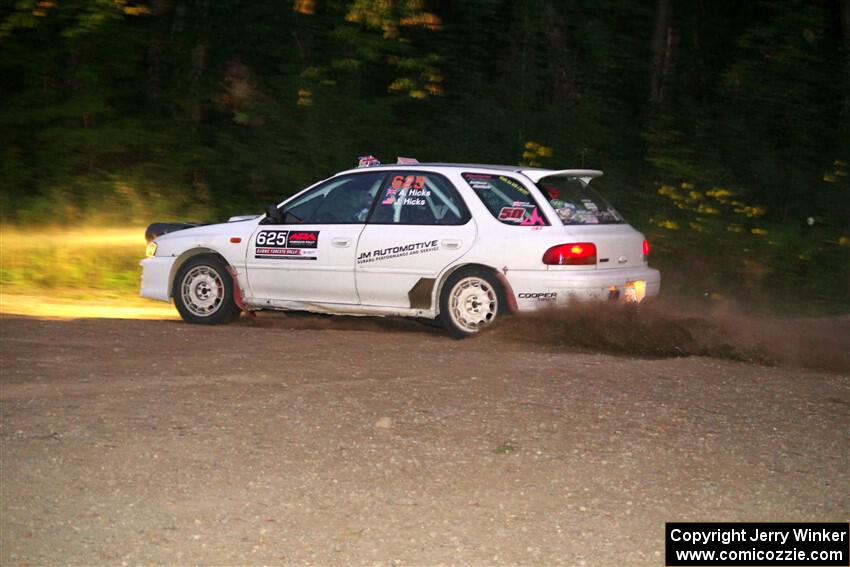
{"x":506,"y":198}
{"x":576,"y":202}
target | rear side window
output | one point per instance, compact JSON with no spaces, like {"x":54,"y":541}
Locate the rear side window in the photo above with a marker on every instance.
{"x":577,"y":202}
{"x":506,"y":199}
{"x":418,"y":197}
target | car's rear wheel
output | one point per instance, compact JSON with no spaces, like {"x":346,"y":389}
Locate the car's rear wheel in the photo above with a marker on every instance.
{"x":203,"y":291}
{"x":470,"y":300}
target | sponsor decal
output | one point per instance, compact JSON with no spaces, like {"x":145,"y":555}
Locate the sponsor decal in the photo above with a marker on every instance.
{"x":400,"y":251}
{"x":511,"y":214}
{"x":481,"y":185}
{"x":287,"y":245}
{"x":303,"y":239}
{"x":589,"y":205}
{"x":539,"y":295}
{"x":514,"y":184}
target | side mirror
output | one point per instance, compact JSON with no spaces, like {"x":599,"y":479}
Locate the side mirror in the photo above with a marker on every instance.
{"x":273,"y":214}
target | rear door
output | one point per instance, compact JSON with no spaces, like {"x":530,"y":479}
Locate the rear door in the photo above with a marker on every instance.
{"x":419,"y":226}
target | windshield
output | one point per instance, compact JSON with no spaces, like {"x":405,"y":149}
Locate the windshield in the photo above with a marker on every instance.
{"x":576,"y":202}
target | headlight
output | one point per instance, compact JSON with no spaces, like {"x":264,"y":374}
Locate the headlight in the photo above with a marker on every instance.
{"x":151,"y":249}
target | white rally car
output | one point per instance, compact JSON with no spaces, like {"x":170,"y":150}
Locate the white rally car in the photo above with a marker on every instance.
{"x":459,"y":243}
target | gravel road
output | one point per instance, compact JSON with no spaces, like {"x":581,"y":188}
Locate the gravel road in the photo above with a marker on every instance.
{"x":306,"y":440}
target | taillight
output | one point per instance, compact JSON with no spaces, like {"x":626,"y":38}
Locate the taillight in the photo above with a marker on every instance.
{"x":645,"y":248}
{"x":575,"y":254}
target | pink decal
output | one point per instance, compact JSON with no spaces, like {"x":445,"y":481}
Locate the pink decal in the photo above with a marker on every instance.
{"x":534,"y":219}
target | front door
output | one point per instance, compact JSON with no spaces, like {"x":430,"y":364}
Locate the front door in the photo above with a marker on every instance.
{"x":309,"y":256}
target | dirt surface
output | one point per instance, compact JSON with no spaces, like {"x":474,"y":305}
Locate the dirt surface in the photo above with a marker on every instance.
{"x":306,"y":440}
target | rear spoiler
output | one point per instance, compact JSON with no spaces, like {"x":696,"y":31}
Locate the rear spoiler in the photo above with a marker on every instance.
{"x":584,"y":174}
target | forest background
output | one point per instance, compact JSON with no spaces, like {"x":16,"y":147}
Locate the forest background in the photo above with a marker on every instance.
{"x":723,"y":127}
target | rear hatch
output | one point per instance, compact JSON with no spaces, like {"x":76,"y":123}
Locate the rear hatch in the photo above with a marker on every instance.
{"x":617,"y":245}
{"x":588,"y":217}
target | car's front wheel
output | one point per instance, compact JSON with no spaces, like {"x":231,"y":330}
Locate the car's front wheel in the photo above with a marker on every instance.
{"x":470,"y":300}
{"x":203,"y":291}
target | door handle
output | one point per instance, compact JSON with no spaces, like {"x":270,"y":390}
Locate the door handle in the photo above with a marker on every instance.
{"x":451,"y":243}
{"x":341,"y":242}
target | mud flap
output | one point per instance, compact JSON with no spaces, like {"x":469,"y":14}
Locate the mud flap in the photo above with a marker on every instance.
{"x":238,"y":297}
{"x":509,"y":292}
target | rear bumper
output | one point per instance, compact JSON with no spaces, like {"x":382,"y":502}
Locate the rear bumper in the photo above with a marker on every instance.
{"x":156,"y":275}
{"x":535,"y":289}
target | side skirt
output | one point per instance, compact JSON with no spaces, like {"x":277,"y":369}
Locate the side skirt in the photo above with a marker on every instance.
{"x":253,"y":303}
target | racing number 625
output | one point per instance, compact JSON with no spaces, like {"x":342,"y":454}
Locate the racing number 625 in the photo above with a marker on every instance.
{"x":409,"y":182}
{"x":271,"y":238}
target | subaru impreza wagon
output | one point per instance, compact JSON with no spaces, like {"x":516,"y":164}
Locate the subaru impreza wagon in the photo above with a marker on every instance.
{"x":458,"y":243}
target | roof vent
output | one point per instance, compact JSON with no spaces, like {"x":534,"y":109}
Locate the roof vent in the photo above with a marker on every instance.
{"x":407,"y":161}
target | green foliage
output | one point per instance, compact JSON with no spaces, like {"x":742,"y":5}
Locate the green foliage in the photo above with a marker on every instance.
{"x":39,"y":261}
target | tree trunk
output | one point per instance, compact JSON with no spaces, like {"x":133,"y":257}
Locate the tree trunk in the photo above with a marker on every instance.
{"x":662,"y":53}
{"x":562,"y":69}
{"x":845,"y":33}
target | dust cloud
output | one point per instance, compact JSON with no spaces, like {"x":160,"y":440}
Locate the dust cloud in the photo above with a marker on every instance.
{"x":659,"y":329}
{"x":666,"y":328}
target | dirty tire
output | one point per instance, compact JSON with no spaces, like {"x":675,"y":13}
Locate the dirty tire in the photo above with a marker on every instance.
{"x":470,"y":300}
{"x":203,"y":291}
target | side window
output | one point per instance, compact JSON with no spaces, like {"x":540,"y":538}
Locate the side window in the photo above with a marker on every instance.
{"x":417,"y":197}
{"x":341,"y":200}
{"x":506,"y":198}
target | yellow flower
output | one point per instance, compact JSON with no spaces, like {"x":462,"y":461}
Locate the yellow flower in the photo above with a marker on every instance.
{"x":305,"y":97}
{"x":706,"y":210}
{"x":136,"y":10}
{"x":758,"y":231}
{"x":719,"y":193}
{"x":687,"y":186}
{"x":844,"y":241}
{"x":400,"y":85}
